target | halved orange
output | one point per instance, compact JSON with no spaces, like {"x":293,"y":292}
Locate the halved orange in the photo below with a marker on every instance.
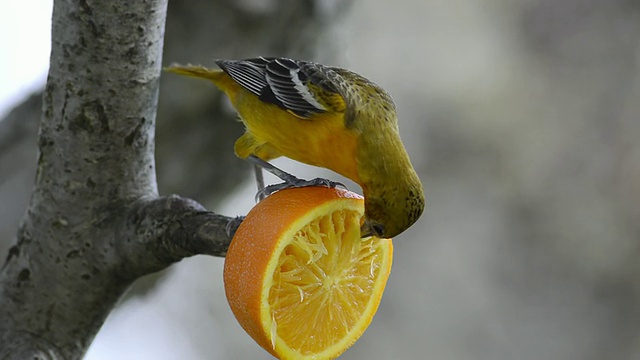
{"x":298,"y":277}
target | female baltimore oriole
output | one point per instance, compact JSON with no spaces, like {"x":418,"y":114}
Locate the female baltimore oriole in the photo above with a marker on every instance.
{"x":328,"y":117}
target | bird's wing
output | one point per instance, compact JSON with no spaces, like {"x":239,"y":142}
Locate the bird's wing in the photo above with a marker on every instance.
{"x":300,"y":87}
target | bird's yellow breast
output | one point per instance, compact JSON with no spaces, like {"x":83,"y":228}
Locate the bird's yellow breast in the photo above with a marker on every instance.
{"x":321,"y":140}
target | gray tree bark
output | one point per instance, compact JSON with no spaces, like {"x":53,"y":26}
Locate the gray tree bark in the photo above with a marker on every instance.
{"x":95,"y":222}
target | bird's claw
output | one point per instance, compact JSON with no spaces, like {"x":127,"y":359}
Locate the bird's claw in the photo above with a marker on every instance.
{"x":297,"y":183}
{"x":232,"y":225}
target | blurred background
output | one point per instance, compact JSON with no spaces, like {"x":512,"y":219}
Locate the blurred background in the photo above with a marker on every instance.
{"x":522,"y":118}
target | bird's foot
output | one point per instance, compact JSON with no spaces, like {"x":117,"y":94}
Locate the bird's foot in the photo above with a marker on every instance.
{"x":297,"y":183}
{"x":233,"y":224}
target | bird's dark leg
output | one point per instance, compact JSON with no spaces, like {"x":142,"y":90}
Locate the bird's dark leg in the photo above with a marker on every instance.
{"x":290,"y":181}
{"x":285,"y":176}
{"x":259,"y":181}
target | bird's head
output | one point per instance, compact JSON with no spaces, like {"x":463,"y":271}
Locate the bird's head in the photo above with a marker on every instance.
{"x":393,"y":194}
{"x":388,"y":214}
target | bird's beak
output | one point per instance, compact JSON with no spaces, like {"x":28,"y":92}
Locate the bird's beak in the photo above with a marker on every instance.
{"x":365,"y":230}
{"x":369,"y":228}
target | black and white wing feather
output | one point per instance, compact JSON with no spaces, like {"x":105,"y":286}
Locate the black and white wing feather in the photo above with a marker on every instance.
{"x":283,"y":82}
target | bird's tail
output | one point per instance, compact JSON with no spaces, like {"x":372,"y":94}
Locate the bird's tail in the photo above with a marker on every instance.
{"x":196,"y":71}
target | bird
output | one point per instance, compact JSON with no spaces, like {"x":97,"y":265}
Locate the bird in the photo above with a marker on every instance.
{"x":323,"y":116}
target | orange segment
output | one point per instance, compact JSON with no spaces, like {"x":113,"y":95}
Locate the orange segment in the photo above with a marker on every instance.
{"x":298,"y":277}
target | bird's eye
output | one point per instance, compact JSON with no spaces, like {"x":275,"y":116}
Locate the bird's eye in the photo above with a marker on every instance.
{"x":378,"y":229}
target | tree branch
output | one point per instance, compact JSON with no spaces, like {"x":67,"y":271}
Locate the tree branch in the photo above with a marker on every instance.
{"x":172,"y":228}
{"x":95,"y":223}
